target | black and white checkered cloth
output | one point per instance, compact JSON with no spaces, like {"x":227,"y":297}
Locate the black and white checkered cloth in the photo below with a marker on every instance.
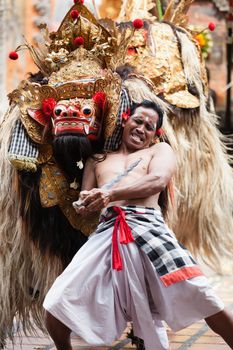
{"x":21,"y":146}
{"x":113,"y":142}
{"x":172,"y":261}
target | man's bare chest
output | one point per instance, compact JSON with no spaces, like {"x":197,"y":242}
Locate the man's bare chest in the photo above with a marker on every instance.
{"x":116,"y":164}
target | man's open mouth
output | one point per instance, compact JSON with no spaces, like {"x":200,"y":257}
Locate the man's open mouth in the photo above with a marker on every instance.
{"x":137,"y":138}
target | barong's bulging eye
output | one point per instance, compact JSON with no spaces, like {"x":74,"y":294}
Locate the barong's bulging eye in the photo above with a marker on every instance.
{"x":87,"y":111}
{"x":60,"y":111}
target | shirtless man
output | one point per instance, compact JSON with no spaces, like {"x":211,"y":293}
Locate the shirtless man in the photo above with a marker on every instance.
{"x":144,"y":183}
{"x":132,"y":268}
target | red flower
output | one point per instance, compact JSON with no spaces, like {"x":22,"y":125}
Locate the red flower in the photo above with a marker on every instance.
{"x":212,"y":26}
{"x":125,"y":115}
{"x":13,"y":55}
{"x":48,"y":105}
{"x":79,"y":2}
{"x":160,"y":132}
{"x":74,"y":14}
{"x":131,"y":51}
{"x":100,"y":99}
{"x":79,"y":40}
{"x":138,"y":23}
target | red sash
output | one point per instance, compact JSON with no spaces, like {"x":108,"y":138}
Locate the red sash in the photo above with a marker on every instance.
{"x":125,"y":237}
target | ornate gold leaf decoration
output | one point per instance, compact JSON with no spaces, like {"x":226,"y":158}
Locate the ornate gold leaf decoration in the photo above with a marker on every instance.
{"x":55,"y":190}
{"x":177,"y":13}
{"x":132,"y":9}
{"x":50,"y":55}
{"x":162,"y":66}
{"x":169,"y":10}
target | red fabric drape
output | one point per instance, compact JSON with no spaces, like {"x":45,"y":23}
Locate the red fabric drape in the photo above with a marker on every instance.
{"x":121,"y":229}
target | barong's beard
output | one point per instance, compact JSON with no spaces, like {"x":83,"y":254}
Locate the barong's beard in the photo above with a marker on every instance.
{"x":47,"y":228}
{"x":70,"y":149}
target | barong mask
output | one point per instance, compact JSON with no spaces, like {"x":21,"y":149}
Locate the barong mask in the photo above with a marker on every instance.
{"x":74,"y":116}
{"x":77,"y":117}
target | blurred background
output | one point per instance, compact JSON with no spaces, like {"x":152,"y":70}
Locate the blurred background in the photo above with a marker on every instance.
{"x":20,"y":20}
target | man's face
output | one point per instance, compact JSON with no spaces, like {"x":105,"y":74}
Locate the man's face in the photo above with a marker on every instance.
{"x":140,"y":128}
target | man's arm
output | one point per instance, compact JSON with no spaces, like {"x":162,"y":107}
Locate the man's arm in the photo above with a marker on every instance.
{"x":89,"y":179}
{"x":88,"y":183}
{"x":161,"y":168}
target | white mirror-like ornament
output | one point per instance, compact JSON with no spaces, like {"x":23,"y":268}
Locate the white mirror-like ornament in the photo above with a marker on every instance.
{"x":74,"y":185}
{"x":80,"y":164}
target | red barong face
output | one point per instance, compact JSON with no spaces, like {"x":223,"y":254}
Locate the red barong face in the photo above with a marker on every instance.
{"x":81,"y":116}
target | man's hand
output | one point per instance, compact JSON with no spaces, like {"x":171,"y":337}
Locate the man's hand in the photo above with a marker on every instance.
{"x":91,"y":201}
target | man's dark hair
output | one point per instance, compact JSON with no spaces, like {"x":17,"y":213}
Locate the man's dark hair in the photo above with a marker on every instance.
{"x":152,"y":105}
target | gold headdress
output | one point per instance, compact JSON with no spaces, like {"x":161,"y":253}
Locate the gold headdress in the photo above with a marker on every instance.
{"x":150,"y":56}
{"x":81,"y":76}
{"x":79,"y":22}
{"x":72,"y":69}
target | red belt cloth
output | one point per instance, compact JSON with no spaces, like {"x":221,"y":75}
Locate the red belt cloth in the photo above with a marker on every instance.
{"x":125,"y":237}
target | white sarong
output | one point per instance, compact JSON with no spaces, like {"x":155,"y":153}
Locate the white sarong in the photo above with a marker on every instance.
{"x":96,"y":302}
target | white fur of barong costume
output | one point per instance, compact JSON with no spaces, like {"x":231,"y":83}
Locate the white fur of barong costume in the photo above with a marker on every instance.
{"x":95,"y":301}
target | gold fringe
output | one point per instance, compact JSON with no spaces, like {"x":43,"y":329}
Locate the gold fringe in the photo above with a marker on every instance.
{"x":23,"y":163}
